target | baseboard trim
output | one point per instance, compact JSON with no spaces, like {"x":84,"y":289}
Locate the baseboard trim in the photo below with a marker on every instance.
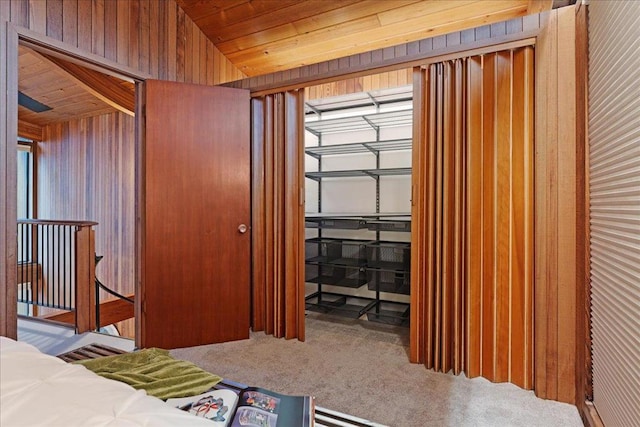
{"x":589,"y":415}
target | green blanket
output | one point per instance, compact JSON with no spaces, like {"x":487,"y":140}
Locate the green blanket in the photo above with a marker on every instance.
{"x":155,"y":371}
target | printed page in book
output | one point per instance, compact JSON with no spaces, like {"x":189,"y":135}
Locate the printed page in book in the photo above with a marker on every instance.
{"x":265,"y":408}
{"x":216,"y":405}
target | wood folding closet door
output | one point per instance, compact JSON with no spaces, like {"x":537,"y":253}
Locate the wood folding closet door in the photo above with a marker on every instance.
{"x":472,"y":237}
{"x":277,"y":140}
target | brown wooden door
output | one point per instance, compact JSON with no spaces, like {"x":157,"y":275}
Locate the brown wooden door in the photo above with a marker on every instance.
{"x":193,"y":196}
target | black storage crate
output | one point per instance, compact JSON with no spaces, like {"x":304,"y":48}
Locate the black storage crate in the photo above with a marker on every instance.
{"x":336,"y":262}
{"x":389,"y":255}
{"x":344,"y":252}
{"x":336,"y":223}
{"x":350,"y":277}
{"x":342,"y":305}
{"x":393,"y":313}
{"x":389,"y":225}
{"x":395,"y":281}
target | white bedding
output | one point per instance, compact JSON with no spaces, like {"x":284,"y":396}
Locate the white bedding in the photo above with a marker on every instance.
{"x":41,"y":390}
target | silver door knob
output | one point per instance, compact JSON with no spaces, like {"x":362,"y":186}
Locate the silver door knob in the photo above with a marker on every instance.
{"x":242,"y":228}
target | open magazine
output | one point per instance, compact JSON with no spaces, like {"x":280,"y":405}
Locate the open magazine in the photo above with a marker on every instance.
{"x":249,"y":407}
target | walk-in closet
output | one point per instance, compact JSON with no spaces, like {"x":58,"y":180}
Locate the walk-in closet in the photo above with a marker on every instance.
{"x":358,"y":204}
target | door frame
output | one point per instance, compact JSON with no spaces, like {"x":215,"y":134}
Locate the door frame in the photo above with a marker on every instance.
{"x":11,"y":36}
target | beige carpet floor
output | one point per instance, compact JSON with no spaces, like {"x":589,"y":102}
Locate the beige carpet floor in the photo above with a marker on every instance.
{"x":362,"y":368}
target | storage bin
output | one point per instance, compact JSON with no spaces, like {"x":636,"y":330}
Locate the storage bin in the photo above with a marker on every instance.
{"x":389,"y":255}
{"x":328,"y":274}
{"x":397,"y":281}
{"x":336,"y":223}
{"x":389,"y":225}
{"x":345,"y":252}
{"x":389,"y":312}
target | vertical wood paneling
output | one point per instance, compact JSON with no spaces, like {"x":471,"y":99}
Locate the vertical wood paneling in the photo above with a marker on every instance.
{"x":568,"y":179}
{"x":181,"y":48}
{"x":111,"y":37}
{"x":70,"y":22}
{"x":160,"y":44}
{"x":87,"y":172}
{"x":84,"y":22}
{"x":134,"y":34}
{"x":19,"y":12}
{"x":54,"y":19}
{"x":210,"y":63}
{"x":555,"y":210}
{"x":38,"y":16}
{"x":143,"y":50}
{"x":97,"y":27}
{"x":172,"y":42}
{"x":122,"y":32}
{"x":154,"y":22}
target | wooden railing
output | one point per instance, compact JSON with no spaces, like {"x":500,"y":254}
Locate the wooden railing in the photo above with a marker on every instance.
{"x":56,"y":269}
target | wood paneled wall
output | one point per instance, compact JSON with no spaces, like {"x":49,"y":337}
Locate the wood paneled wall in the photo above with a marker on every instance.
{"x":557,"y":183}
{"x":8,"y":184}
{"x":360,"y":84}
{"x":155,"y":37}
{"x":86,"y":172}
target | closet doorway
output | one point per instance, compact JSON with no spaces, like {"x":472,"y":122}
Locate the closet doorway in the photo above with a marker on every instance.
{"x":357,"y":166}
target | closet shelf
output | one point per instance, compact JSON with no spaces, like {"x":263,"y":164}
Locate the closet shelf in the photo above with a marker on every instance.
{"x":346,"y":262}
{"x":382,"y":311}
{"x":374,"y":173}
{"x":344,"y":305}
{"x":361,"y":100}
{"x":360,"y":147}
{"x":373,"y":222}
{"x":361,"y":122}
{"x":338,"y":222}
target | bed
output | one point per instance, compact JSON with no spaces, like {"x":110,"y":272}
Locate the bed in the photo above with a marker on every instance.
{"x":38,"y":389}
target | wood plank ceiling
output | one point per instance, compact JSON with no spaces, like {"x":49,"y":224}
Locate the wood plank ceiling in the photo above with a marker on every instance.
{"x":71,"y":91}
{"x":265,"y":36}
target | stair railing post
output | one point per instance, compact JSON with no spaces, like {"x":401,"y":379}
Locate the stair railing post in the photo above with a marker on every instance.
{"x":85,"y":294}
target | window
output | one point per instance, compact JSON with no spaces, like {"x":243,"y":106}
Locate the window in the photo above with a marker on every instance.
{"x":25,"y":194}
{"x":25,"y":180}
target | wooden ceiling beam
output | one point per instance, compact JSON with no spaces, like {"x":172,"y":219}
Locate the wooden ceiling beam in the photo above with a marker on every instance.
{"x":97,"y":84}
{"x":538,"y":6}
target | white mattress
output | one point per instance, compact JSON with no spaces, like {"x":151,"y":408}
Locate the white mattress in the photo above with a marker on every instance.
{"x":41,"y":390}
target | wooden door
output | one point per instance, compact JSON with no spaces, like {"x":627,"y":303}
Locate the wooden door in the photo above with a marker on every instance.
{"x":193,"y":205}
